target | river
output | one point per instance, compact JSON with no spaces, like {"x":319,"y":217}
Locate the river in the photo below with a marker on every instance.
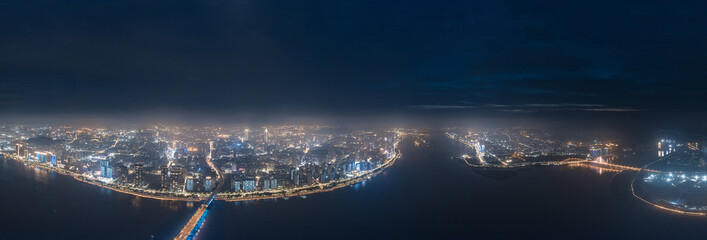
{"x":425,"y":195}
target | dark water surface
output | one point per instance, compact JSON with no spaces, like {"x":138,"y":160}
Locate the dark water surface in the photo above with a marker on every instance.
{"x":425,"y":195}
{"x":37,"y":204}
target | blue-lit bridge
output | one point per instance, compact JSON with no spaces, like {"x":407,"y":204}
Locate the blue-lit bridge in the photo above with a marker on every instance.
{"x":192,"y":227}
{"x":189,"y":231}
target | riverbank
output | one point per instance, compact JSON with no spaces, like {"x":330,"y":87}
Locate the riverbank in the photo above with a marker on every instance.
{"x":97,"y":183}
{"x":312,"y":189}
{"x":590,"y":164}
{"x":307,"y":190}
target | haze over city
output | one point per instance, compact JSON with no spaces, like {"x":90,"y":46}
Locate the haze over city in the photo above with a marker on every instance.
{"x":489,"y":119}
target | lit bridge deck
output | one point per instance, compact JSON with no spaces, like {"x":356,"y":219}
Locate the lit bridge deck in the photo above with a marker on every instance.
{"x":611,"y":166}
{"x":192,"y":228}
{"x":568,"y":161}
{"x":189,"y":231}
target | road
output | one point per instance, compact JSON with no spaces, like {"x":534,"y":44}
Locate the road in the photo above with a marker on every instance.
{"x":192,"y":227}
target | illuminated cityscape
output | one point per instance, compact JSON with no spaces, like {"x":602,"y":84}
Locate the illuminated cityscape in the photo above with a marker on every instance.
{"x":172,"y":162}
{"x":206,"y":165}
{"x":350,"y":120}
{"x":192,"y":164}
{"x":672,"y":180}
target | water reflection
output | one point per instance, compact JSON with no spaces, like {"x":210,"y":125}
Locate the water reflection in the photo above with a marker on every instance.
{"x":106,"y":192}
{"x":172,"y":205}
{"x":67,"y":203}
{"x":39,"y":175}
{"x":136,"y":202}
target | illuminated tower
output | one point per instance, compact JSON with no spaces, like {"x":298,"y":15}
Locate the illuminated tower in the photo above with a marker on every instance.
{"x":137,"y":171}
{"x":52,"y":159}
{"x":273,"y":183}
{"x":208,"y":184}
{"x":176,"y":178}
{"x":106,"y":169}
{"x":249,"y":185}
{"x":246,"y":135}
{"x":41,"y":157}
{"x":20,"y":149}
{"x":266,"y":185}
{"x":189,"y":185}
{"x":266,"y":137}
{"x":164,"y":171}
{"x":237,"y":185}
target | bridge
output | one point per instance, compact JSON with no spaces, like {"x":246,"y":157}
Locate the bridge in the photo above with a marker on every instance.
{"x":568,"y":161}
{"x":192,"y":227}
{"x":617,"y":167}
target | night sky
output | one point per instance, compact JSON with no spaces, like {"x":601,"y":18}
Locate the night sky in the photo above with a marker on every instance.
{"x":345,"y":58}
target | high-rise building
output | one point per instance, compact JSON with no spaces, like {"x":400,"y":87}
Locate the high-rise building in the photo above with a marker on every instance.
{"x":266,"y":185}
{"x":249,"y":185}
{"x":106,"y":169}
{"x":266,"y":138}
{"x":189,"y":185}
{"x":273,"y":183}
{"x":324,"y":176}
{"x":164,"y":174}
{"x":177,"y":177}
{"x":136,"y":171}
{"x":595,"y":152}
{"x":332,"y":174}
{"x":46,"y":157}
{"x":41,"y":157}
{"x":292,"y":174}
{"x":172,"y":178}
{"x":237,"y":185}
{"x":208,"y":184}
{"x":20,"y":149}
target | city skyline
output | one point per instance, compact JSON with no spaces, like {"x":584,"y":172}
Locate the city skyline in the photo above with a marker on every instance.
{"x":329,"y":119}
{"x":203,"y":166}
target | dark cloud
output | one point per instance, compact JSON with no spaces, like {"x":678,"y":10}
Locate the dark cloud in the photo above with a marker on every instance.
{"x":353,"y":57}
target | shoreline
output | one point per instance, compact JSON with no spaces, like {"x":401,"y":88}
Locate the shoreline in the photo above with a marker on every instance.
{"x":316,"y":188}
{"x":586,"y":163}
{"x":657,"y":205}
{"x":319,"y":188}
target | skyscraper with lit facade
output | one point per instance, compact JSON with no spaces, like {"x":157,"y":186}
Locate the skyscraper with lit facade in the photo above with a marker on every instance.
{"x":208,"y":184}
{"x":237,"y":185}
{"x":189,"y":185}
{"x":249,"y":185}
{"x":106,"y":169}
